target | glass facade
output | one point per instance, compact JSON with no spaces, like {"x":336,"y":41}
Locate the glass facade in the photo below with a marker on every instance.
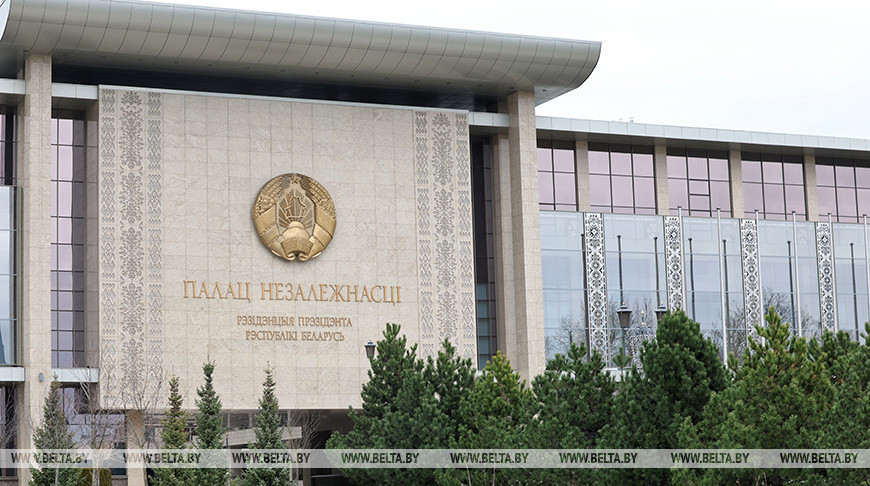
{"x":850,"y":261}
{"x":714,"y":278}
{"x":635,"y":260}
{"x":843,"y":187}
{"x":564,"y":279}
{"x":790,"y":274}
{"x":557,"y":176}
{"x":773,"y":185}
{"x":484,"y":250}
{"x":699,"y":182}
{"x":622,"y":179}
{"x":67,"y":242}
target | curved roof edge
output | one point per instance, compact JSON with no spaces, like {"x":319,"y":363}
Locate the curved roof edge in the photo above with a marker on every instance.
{"x":210,"y":41}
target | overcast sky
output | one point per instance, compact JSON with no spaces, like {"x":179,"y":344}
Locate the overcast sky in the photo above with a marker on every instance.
{"x":753,"y":65}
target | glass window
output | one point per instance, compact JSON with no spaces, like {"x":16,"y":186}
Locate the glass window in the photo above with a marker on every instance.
{"x":635,"y":266}
{"x":557,"y":176}
{"x":707,"y":288}
{"x":484,"y":255}
{"x":67,"y":242}
{"x":773,"y":185}
{"x":697,"y":169}
{"x":563,"y":271}
{"x":789,"y":273}
{"x":843,"y":187}
{"x":621,"y":179}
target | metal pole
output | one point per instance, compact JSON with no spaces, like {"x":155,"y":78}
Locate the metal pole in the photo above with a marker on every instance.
{"x":867,"y":264}
{"x":854,"y":290}
{"x":722,"y":288}
{"x":692,"y":276}
{"x":682,"y":256}
{"x":619,"y":260}
{"x":791,"y":283}
{"x":656,"y":253}
{"x":797,"y":274}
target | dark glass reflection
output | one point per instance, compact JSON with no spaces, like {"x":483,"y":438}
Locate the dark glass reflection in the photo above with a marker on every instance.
{"x":773,"y":186}
{"x":484,"y":244}
{"x":67,"y":242}
{"x":621,"y":179}
{"x":557,"y":176}
{"x":692,"y":176}
{"x":843,"y":187}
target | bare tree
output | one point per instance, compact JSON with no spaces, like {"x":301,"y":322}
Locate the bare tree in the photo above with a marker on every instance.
{"x":101,"y":423}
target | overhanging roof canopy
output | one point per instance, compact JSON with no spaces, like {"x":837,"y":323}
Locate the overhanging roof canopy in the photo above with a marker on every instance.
{"x":241,"y":44}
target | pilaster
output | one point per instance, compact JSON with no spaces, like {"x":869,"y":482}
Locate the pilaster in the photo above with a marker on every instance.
{"x":34,"y":180}
{"x":660,"y":160}
{"x":581,"y":164}
{"x":810,"y":186}
{"x":736,"y":177}
{"x":526,"y":234}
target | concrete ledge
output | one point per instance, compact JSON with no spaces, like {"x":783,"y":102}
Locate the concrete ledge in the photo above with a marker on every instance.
{"x":12,"y":374}
{"x":74,"y":91}
{"x":75,"y":375}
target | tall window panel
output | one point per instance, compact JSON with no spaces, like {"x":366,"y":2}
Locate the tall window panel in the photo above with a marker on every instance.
{"x":622,"y":179}
{"x":484,"y":253}
{"x":790,"y":273}
{"x":773,"y":185}
{"x":714,"y":279}
{"x":699,"y":182}
{"x":850,"y":241}
{"x":564,"y":280}
{"x":843,"y":189}
{"x":635,"y":265}
{"x":557,"y":176}
{"x":7,"y":239}
{"x":67,"y":243}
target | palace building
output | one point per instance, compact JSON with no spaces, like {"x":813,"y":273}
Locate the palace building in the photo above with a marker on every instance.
{"x":183,"y":184}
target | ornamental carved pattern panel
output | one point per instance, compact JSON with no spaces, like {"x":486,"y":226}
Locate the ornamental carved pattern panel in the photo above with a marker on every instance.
{"x":130,"y":216}
{"x":444,"y":232}
{"x":827,"y":282}
{"x":593,"y":227}
{"x":751,"y":275}
{"x":674,"y":268}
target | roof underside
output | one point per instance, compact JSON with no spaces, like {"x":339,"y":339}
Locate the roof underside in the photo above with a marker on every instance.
{"x":451,"y":67}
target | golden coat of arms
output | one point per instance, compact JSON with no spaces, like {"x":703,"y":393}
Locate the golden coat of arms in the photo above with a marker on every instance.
{"x":294,"y":217}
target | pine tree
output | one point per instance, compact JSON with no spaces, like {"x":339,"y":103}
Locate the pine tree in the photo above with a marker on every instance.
{"x":53,"y":434}
{"x":210,"y":430}
{"x":407,"y":404}
{"x":495,"y":415}
{"x":268,"y":434}
{"x":174,"y":436}
{"x":573,"y":401}
{"x":778,"y":400}
{"x":681,"y":371}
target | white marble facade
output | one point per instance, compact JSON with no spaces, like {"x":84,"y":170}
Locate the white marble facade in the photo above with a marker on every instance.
{"x":178,"y":174}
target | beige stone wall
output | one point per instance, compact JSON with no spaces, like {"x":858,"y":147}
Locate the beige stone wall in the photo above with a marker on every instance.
{"x":178,"y":176}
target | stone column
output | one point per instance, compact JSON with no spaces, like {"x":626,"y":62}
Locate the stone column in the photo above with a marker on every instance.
{"x":525,"y":231}
{"x":581,"y":164}
{"x":736,"y":175}
{"x":504,"y":245}
{"x":660,"y":160}
{"x":135,"y":440}
{"x":34,"y":256}
{"x":810,"y":186}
